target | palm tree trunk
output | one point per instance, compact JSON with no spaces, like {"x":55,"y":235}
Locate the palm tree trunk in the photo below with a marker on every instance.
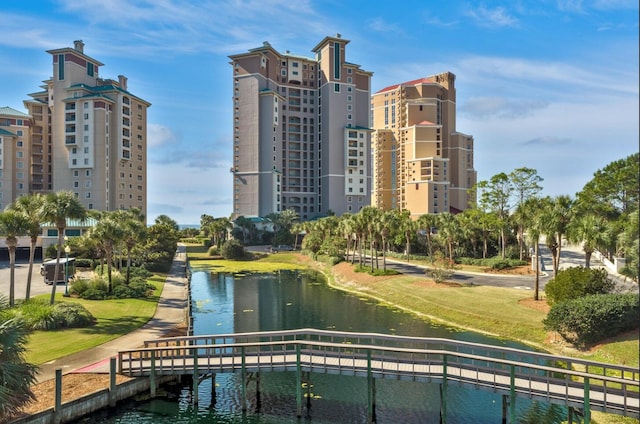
{"x":32,"y":254}
{"x":587,"y":258}
{"x":12,"y":276}
{"x":536,"y":289}
{"x":56,"y":269}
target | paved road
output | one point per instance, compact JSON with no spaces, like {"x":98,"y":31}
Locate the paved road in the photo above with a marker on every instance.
{"x":21,"y":271}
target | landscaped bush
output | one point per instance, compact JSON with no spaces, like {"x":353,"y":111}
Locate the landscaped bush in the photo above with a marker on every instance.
{"x":496,"y":262}
{"x":575,"y":282}
{"x":40,"y":315}
{"x":213,"y":251}
{"x":137,"y":272}
{"x":72,"y":315}
{"x":233,"y":249}
{"x":79,"y":286}
{"x":137,"y":289}
{"x":330,"y":260}
{"x":96,"y":289}
{"x":84,"y":263}
{"x":592,"y":318}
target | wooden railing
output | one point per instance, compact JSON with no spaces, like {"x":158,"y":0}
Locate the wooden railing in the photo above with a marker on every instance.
{"x":581,"y":384}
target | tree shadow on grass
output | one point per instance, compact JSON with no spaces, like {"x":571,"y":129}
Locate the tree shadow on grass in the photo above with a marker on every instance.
{"x":115,"y":326}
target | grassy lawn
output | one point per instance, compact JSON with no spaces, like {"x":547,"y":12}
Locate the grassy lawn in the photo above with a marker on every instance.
{"x":114,"y":318}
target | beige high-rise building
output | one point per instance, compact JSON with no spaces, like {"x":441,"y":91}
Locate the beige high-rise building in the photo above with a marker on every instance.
{"x":82,"y":133}
{"x":14,"y":154}
{"x":301,"y":132}
{"x":421,"y":162}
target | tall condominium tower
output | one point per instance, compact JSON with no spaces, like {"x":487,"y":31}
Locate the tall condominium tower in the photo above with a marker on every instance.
{"x":301,"y":132}
{"x":421,"y":163}
{"x":14,"y":151}
{"x":85,"y":134}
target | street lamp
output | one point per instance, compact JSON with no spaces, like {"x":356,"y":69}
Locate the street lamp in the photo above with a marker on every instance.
{"x":67,"y":250}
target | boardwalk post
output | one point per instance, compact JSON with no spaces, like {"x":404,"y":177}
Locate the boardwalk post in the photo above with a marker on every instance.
{"x":298,"y":383}
{"x":243,"y":374}
{"x":112,"y":382}
{"x":587,"y":406}
{"x":512,"y":395}
{"x":57,"y":417}
{"x":152,"y":374}
{"x":213,"y":389}
{"x":371,"y":391}
{"x":443,"y":392}
{"x":196,"y":377}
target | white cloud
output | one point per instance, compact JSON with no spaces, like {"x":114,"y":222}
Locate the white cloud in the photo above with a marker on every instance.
{"x":510,"y":108}
{"x":160,"y":135}
{"x":496,"y":17}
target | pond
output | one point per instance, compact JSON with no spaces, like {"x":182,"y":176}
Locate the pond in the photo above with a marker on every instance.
{"x":293,"y":299}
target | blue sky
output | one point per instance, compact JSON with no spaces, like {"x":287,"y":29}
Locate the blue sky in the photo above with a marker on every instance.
{"x":547,"y":84}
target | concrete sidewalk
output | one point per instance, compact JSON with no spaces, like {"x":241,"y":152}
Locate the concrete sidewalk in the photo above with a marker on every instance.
{"x":170,"y":312}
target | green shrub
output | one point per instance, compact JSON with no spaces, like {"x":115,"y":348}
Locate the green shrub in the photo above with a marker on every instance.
{"x":330,"y":260}
{"x":84,"y":263}
{"x":71,"y":315}
{"x":79,"y":286}
{"x":213,"y":251}
{"x":39,"y":315}
{"x":496,"y":262}
{"x":137,"y":272}
{"x":136,"y":289}
{"x":36,"y":315}
{"x":592,"y":318}
{"x":94,"y":294}
{"x":575,"y":282}
{"x":233,"y":249}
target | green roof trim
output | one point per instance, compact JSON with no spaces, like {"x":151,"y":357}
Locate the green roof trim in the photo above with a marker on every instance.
{"x":87,"y":222}
{"x":5,"y":132}
{"x":6,"y":110}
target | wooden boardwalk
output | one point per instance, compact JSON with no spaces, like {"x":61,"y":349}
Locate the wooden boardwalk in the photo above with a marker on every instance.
{"x":579,"y":384}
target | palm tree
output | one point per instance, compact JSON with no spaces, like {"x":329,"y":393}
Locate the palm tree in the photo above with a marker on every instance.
{"x":557,"y":223}
{"x":17,"y":375}
{"x":12,"y":225}
{"x":589,"y":230}
{"x":57,"y":208}
{"x":426,"y":223}
{"x":30,"y":206}
{"x":407,"y":227}
{"x":370,"y":216}
{"x":133,"y":231}
{"x":386,"y":224}
{"x":534,"y":213}
{"x":110,"y":232}
{"x":449,"y":229}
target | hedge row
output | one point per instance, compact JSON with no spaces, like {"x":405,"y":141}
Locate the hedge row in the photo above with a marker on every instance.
{"x":589,"y":319}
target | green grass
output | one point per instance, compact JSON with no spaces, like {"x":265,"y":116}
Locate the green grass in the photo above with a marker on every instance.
{"x":265,"y":263}
{"x":115,"y":318}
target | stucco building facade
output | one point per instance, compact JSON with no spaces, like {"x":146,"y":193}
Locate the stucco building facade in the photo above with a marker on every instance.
{"x":421,"y":162}
{"x":301,"y":132}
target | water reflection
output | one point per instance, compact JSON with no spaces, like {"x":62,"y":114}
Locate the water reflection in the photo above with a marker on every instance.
{"x":289,"y":300}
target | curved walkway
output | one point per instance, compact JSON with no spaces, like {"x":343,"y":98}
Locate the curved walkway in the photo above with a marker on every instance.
{"x":170,"y":313}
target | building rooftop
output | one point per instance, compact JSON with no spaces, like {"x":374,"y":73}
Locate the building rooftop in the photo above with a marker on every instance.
{"x":6,"y":110}
{"x":412,"y":82}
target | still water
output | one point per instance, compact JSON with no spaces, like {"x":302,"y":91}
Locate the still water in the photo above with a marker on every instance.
{"x":289,"y":300}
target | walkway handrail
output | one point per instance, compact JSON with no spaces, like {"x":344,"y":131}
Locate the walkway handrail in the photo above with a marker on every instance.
{"x":565,"y":362}
{"x":449,"y":354}
{"x":513,"y":372}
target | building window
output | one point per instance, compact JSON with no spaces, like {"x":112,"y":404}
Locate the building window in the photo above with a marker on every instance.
{"x":336,"y":60}
{"x":336,"y":88}
{"x":61,"y":67}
